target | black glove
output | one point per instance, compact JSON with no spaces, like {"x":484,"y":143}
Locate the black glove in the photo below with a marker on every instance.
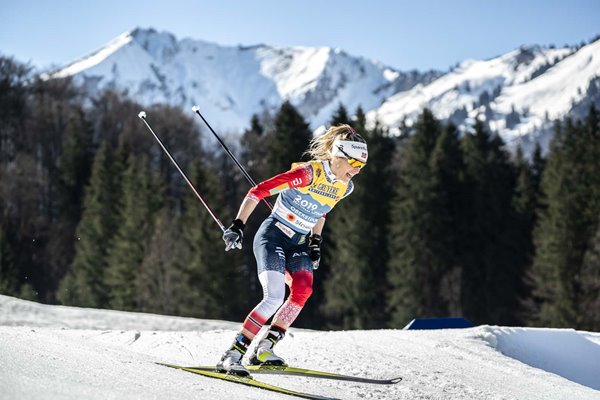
{"x":314,"y":249}
{"x":233,"y":235}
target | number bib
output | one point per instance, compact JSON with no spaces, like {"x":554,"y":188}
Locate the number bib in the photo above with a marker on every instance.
{"x":300,"y":208}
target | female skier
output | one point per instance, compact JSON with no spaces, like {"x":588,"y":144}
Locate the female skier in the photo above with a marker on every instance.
{"x":307,"y":192}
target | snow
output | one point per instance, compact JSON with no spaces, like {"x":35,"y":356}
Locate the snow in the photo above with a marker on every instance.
{"x":554,"y":90}
{"x":56,"y":352}
{"x":463,"y":86}
{"x":563,"y":352}
{"x":551,"y":95}
{"x":231,"y":83}
{"x":95,"y":58}
{"x":541,"y":84}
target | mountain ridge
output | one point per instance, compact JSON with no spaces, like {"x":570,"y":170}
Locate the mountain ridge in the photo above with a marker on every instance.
{"x":231,"y":83}
{"x":517,"y":94}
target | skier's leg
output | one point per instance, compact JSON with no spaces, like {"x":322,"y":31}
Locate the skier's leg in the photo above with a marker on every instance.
{"x":271,"y":267}
{"x":300,"y":291}
{"x":273,"y":284}
{"x":299,"y":277}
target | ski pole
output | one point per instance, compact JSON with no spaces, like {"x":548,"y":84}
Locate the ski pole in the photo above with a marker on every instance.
{"x":196,"y":109}
{"x":142,"y":116}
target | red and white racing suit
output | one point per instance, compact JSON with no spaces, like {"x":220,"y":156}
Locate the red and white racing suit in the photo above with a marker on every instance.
{"x":306,"y":193}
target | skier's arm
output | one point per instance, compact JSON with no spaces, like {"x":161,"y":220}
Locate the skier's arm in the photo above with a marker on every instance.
{"x":233,"y":235}
{"x":318,"y":228}
{"x":314,"y":243}
{"x":296,"y":177}
{"x":246,"y":209}
{"x":299,"y":176}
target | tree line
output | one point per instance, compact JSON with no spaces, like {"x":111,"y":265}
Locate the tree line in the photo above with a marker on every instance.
{"x":93,"y":214}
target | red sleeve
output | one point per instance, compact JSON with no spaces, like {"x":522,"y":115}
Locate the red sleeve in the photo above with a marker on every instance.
{"x":299,"y":176}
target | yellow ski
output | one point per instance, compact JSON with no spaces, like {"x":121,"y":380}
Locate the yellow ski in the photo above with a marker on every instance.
{"x":246,"y":380}
{"x":286,"y":370}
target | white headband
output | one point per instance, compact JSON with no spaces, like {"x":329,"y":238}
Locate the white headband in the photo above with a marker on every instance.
{"x":356,"y":150}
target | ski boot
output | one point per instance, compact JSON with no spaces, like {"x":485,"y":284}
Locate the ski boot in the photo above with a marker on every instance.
{"x":231,"y":362}
{"x":263,"y":353}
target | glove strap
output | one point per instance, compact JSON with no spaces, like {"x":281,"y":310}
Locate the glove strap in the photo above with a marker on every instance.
{"x":238,"y":224}
{"x":315,"y":238}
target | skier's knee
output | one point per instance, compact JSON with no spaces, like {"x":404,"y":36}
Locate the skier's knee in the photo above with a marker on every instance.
{"x":273,"y":301}
{"x":301,"y":295}
{"x":301,"y":288}
{"x":273,"y":292}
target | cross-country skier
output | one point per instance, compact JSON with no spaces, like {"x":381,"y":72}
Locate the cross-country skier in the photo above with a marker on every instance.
{"x":287,"y":245}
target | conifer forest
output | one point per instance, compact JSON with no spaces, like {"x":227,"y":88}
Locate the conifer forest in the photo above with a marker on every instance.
{"x":441,"y":223}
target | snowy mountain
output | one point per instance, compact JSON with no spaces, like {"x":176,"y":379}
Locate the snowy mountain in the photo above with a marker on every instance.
{"x":230,"y":84}
{"x":518,"y":94}
{"x":54,"y":352}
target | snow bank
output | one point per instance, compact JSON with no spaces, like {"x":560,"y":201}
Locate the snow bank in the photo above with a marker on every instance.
{"x":17,"y":312}
{"x":564,"y":352}
{"x":52,"y":352}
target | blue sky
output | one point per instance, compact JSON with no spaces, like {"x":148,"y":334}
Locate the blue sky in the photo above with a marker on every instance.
{"x":418,"y":34}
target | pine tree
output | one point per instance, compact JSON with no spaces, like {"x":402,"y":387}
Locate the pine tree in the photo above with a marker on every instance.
{"x":288,"y":140}
{"x":30,"y":145}
{"x":489,"y":278}
{"x":590,"y":271}
{"x":180,"y":134}
{"x":22,"y":187}
{"x":141,"y":198}
{"x":340,"y":116}
{"x":422,"y":220}
{"x":8,"y":273}
{"x":210,"y":275}
{"x":158,"y":283}
{"x":254,"y":149}
{"x":447,"y":169}
{"x":13,"y":105}
{"x":115,"y":120}
{"x":74,"y":167}
{"x":524,"y":204}
{"x":85,"y":284}
{"x":349,"y":288}
{"x":567,"y":224}
{"x":538,"y":163}
{"x":13,"y":110}
{"x":590,"y":285}
{"x":360,"y":120}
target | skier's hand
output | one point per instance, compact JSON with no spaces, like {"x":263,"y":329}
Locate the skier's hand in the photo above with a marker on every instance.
{"x":233,"y":235}
{"x":314,"y":249}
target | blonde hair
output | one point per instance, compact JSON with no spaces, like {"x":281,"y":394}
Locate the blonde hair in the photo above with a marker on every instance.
{"x":320,"y":146}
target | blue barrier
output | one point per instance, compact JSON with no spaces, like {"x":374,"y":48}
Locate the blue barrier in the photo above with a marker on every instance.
{"x":439,"y":323}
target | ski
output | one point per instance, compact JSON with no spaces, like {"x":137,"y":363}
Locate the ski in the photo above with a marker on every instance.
{"x":246,"y":380}
{"x":286,"y":370}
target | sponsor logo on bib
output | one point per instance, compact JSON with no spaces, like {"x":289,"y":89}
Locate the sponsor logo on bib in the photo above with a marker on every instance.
{"x":288,"y":232}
